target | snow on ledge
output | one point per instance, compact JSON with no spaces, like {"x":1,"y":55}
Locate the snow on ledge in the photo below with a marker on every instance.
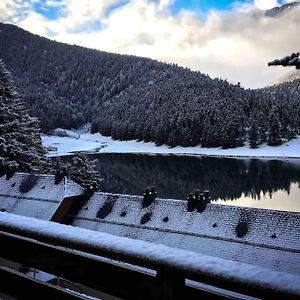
{"x":149,"y":252}
{"x":82,"y":141}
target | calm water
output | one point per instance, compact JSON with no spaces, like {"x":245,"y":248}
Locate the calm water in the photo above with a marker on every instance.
{"x":251,"y":182}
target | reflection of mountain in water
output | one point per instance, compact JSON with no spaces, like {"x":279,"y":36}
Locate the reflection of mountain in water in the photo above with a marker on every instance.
{"x":177,"y":176}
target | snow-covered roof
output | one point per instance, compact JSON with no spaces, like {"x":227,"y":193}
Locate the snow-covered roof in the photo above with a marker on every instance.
{"x":35,"y":195}
{"x":261,"y":237}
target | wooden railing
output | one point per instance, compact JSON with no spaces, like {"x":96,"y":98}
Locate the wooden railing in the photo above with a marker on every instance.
{"x":98,"y":261}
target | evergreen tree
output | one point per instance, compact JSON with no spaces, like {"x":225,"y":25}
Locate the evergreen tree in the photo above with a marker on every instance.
{"x":20,"y":142}
{"x":230,"y":131}
{"x":274,"y":138}
{"x":83,"y":171}
{"x":257,"y":128}
{"x":253,"y":134}
{"x":80,"y":169}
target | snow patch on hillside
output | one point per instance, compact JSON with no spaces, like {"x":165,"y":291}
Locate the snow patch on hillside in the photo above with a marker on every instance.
{"x":82,"y":140}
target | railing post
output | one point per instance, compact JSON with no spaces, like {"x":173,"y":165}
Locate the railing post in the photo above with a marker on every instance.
{"x":172,"y":285}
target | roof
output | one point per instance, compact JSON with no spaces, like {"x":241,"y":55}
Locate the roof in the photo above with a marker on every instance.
{"x":261,"y":237}
{"x":35,"y":195}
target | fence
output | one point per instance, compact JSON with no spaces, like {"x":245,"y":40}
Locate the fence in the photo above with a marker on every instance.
{"x":114,"y":265}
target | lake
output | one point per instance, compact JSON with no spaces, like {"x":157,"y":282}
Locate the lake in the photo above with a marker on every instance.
{"x":270,"y":184}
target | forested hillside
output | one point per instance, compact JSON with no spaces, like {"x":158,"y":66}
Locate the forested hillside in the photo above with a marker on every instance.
{"x":130,"y":97}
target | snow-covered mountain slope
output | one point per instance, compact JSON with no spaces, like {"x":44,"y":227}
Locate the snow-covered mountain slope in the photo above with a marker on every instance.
{"x":289,"y":77}
{"x":279,"y":10}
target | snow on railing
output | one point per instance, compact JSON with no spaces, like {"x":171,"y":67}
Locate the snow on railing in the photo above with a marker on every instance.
{"x":154,"y":256}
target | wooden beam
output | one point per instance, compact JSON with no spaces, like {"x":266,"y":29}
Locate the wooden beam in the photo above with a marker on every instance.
{"x":63,"y":210}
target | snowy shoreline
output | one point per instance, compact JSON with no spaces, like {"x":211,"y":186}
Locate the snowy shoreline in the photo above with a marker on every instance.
{"x":81,"y":141}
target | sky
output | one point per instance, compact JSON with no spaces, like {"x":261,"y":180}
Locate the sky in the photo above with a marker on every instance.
{"x":228,"y":39}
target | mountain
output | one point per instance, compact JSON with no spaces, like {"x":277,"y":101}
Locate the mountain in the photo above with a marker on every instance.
{"x":289,"y":77}
{"x":130,"y":97}
{"x":276,"y":11}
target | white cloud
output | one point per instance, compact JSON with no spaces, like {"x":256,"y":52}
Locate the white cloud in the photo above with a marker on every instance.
{"x":14,"y":10}
{"x":164,"y":4}
{"x":34,"y":23}
{"x":235,"y":45}
{"x":266,"y":4}
{"x":79,"y":14}
{"x":54,"y":3}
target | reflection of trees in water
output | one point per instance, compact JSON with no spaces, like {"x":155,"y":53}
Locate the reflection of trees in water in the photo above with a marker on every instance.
{"x":177,"y":176}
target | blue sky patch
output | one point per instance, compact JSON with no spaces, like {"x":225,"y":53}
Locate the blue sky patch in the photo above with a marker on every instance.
{"x":51,"y":12}
{"x":203,"y":5}
{"x":54,"y":9}
{"x":116,"y":5}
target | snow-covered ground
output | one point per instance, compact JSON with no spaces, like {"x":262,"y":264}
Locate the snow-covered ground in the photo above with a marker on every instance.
{"x":83,"y":141}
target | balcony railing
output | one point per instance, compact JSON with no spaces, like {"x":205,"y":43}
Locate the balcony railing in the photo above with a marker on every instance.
{"x":117,"y":265}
